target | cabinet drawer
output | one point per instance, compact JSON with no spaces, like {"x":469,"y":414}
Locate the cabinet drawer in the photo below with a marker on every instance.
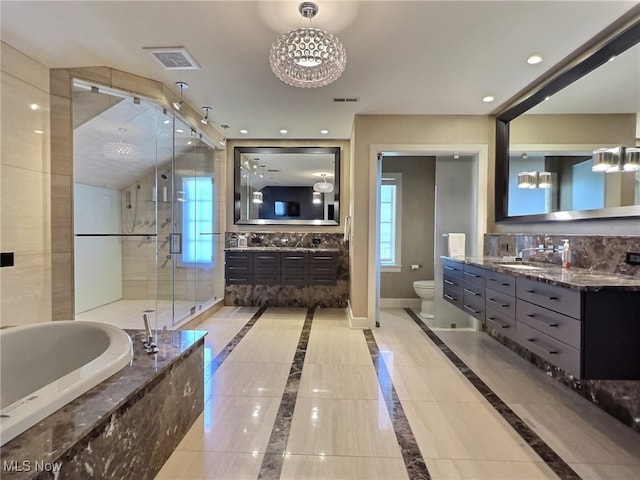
{"x":320,"y":269}
{"x":323,"y":257}
{"x":556,"y":325}
{"x":501,"y":323}
{"x":232,"y":269}
{"x":502,"y":282}
{"x":474,"y":274}
{"x":500,"y":302}
{"x":453,"y":296}
{"x":294,"y":279}
{"x":451,"y":281}
{"x":238,"y":257}
{"x":300,"y":269}
{"x":297,"y":258}
{"x":263,"y":258}
{"x":452,"y":267}
{"x":558,"y":299}
{"x":238,"y":279}
{"x":550,"y":349}
{"x":266,"y":269}
{"x":319,"y":279}
{"x":473,"y":304}
{"x":266,"y":279}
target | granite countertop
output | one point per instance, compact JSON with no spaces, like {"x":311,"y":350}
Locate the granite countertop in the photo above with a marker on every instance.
{"x":49,"y":439}
{"x":573,"y":278}
{"x":280,"y":249}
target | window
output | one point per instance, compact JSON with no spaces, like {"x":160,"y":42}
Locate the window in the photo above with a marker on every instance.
{"x":197,"y":218}
{"x":390,"y":224}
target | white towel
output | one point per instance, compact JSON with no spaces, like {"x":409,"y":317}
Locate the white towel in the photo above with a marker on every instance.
{"x":347,"y":229}
{"x":455,"y":244}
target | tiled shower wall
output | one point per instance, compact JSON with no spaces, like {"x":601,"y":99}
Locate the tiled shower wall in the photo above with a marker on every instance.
{"x":620,"y":398}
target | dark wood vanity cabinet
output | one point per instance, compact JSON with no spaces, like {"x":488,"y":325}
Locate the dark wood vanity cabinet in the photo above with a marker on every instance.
{"x":590,"y":334}
{"x":296,"y":268}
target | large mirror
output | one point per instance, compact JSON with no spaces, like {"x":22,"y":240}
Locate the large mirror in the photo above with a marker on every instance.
{"x":545,"y":143}
{"x":287,"y":185}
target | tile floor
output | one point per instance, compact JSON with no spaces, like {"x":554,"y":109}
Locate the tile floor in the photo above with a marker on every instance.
{"x":339,"y":426}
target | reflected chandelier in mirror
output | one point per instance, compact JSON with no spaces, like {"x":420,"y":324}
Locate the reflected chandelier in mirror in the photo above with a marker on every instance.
{"x":287,"y":185}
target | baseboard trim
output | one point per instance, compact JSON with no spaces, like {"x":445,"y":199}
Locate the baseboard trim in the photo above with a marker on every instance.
{"x":359,"y":322}
{"x":414,"y":303}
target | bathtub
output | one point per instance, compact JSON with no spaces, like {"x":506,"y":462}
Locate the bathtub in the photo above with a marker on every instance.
{"x":46,"y":365}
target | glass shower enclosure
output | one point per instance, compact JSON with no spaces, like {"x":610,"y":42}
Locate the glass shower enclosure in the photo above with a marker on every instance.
{"x":144,"y":212}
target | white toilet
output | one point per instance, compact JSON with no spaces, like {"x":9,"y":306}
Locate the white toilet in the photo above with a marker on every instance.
{"x":424,"y":289}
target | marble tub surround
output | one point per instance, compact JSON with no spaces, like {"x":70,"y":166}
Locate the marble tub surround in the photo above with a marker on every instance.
{"x":581,"y":279}
{"x":599,"y":253}
{"x":119,"y":428}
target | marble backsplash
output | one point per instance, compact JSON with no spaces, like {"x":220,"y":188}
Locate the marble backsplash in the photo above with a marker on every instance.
{"x":619,"y":398}
{"x":595,"y":252}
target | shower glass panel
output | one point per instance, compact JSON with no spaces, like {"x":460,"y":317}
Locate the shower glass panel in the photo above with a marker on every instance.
{"x":143,"y":207}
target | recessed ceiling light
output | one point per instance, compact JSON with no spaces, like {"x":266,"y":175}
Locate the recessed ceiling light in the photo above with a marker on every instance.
{"x":611,"y":59}
{"x":534,"y":59}
{"x":167,"y":121}
{"x":244,"y":131}
{"x":34,"y":106}
{"x":179,"y":130}
{"x":284,"y":131}
{"x":488,"y":99}
{"x":324,"y":131}
{"x":39,"y":132}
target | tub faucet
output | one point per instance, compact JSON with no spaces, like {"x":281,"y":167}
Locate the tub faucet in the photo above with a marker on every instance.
{"x":530,"y":249}
{"x":149,"y":344}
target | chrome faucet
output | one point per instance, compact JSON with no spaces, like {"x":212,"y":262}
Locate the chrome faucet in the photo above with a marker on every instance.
{"x":530,"y":249}
{"x":149,"y":344}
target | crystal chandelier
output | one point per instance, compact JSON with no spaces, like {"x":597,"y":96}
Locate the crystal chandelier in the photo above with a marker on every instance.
{"x":307,"y":57}
{"x":323,"y":186}
{"x":120,"y":150}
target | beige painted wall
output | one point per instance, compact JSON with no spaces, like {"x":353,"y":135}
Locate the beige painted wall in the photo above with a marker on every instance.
{"x":25,"y":203}
{"x":371,"y":131}
{"x":418,"y":211}
{"x":345,"y":190}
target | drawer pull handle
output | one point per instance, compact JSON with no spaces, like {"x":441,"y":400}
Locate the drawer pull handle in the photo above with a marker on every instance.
{"x":531,"y":315}
{"x":502,"y":325}
{"x":472,"y":275}
{"x":266,"y":257}
{"x":315,"y":257}
{"x":504,"y":284}
{"x":447,"y":267}
{"x":449,"y":282}
{"x":449,"y":297}
{"x":471,"y":309}
{"x":497,"y":302}
{"x":536,"y":293}
{"x":471,"y":292}
{"x":294,"y":258}
{"x":550,"y":352}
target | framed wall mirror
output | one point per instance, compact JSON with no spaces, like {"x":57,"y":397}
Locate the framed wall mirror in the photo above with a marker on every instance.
{"x":287,"y":185}
{"x":545,"y":143}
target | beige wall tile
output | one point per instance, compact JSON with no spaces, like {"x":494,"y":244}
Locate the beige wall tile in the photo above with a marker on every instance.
{"x":26,"y":68}
{"x":22,"y":146}
{"x":134,"y":83}
{"x":63,"y":294}
{"x":60,"y":82}
{"x":25,"y":290}
{"x":134,"y":289}
{"x":26,"y":210}
{"x":61,"y":136}
{"x":61,"y":213}
{"x":101,"y":75}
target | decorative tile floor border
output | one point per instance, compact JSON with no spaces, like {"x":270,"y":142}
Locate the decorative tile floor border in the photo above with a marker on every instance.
{"x":413,"y":460}
{"x":544,"y":451}
{"x":276,"y":451}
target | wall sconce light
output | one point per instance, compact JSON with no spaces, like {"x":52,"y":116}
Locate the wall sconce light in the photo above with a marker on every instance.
{"x":257,"y":197}
{"x":544,"y":180}
{"x":607,"y":159}
{"x":527,"y":179}
{"x":631,"y":159}
{"x":181,"y":86}
{"x":317,"y":197}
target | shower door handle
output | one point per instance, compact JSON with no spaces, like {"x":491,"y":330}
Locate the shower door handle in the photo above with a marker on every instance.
{"x":175,"y":245}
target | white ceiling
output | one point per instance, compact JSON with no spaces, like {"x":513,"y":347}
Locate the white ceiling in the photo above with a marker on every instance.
{"x":404,"y":57}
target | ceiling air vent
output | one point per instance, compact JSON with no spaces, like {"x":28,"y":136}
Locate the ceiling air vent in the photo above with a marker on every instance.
{"x":173,"y":58}
{"x":346,"y":99}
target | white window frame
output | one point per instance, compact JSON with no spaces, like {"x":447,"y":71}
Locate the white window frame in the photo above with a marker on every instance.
{"x":389,"y":178}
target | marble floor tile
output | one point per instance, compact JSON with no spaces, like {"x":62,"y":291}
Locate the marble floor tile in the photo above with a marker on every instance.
{"x":465,"y":430}
{"x":606,"y":471}
{"x":581,"y":433}
{"x":337,"y":351}
{"x":266,"y":347}
{"x":248,"y":379}
{"x":230,"y":317}
{"x":323,"y":467}
{"x":342,"y":427}
{"x":277,"y":324}
{"x":219,"y":336}
{"x":488,"y":470}
{"x":428,"y":383}
{"x":233,"y":424}
{"x":194,"y":465}
{"x":411,"y":354}
{"x":357,"y":382}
